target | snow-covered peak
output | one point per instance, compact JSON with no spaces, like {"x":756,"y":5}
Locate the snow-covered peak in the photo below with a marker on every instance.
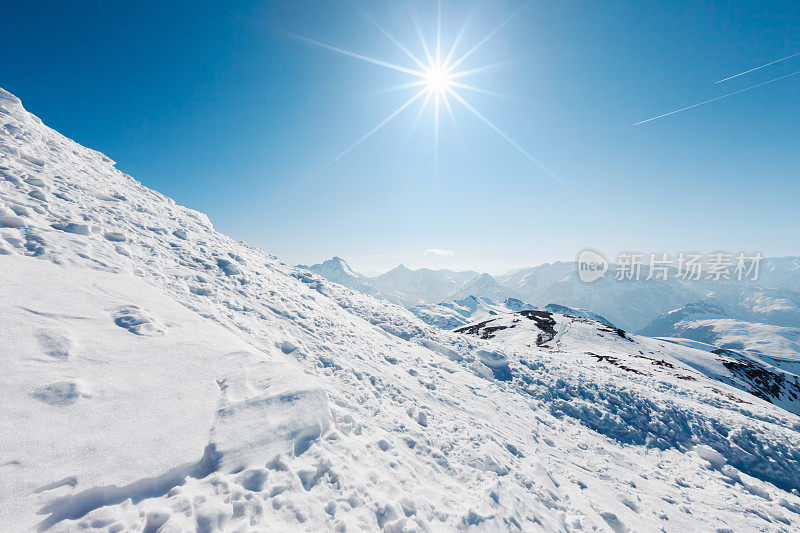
{"x":337,"y":270}
{"x":399,"y":270}
{"x":333,"y":267}
{"x":484,"y":286}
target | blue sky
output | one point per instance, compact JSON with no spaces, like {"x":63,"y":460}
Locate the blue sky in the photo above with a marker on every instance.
{"x":223,"y":109}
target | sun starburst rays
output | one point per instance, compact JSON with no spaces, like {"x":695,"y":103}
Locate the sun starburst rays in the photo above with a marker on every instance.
{"x":436,"y":77}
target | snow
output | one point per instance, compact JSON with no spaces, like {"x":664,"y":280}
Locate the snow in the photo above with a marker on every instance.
{"x":139,"y":381}
{"x":169,"y":378}
{"x":578,"y":312}
{"x":709,"y":324}
{"x":640,"y":412}
{"x":450,"y":315}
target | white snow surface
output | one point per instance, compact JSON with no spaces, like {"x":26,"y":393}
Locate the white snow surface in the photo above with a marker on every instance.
{"x":159,"y":376}
{"x":708,"y":324}
{"x":780,"y":345}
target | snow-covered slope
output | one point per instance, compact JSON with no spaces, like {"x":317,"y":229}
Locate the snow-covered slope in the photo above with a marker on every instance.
{"x":643,"y":356}
{"x":665,"y":325}
{"x":532,"y":282}
{"x":779,"y":307}
{"x":708,"y":323}
{"x":126,"y":399}
{"x":572,"y":311}
{"x":753,"y":373}
{"x":159,"y":376}
{"x":450,"y":315}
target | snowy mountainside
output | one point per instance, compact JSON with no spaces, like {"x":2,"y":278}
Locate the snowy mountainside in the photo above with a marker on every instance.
{"x":450,"y":315}
{"x":160,"y":376}
{"x":532,"y":282}
{"x":754,"y":373}
{"x":709,"y":324}
{"x":668,"y":359}
{"x":776,"y":306}
{"x":457,"y":313}
{"x":664,"y":324}
{"x":407,"y":287}
{"x":572,"y":311}
{"x":151,"y":377}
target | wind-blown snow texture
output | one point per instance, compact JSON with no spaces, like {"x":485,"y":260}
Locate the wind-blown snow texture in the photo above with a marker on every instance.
{"x":157,"y":375}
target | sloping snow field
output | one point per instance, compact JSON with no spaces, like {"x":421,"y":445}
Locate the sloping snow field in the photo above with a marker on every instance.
{"x":159,"y":376}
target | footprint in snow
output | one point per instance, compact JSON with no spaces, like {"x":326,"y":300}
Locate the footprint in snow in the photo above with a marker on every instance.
{"x":60,"y":393}
{"x":115,"y":236}
{"x":137,"y":321}
{"x":614,"y":522}
{"x":54,"y":344}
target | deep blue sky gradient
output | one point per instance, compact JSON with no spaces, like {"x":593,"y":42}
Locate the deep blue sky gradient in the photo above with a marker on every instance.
{"x":220,"y":107}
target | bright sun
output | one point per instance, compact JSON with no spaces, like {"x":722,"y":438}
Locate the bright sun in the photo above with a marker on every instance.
{"x":436,"y":77}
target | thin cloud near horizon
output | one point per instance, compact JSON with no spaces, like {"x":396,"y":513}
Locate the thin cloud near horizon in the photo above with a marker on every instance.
{"x":438,"y":252}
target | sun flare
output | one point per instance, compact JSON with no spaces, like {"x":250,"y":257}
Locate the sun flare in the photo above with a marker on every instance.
{"x":436,"y":79}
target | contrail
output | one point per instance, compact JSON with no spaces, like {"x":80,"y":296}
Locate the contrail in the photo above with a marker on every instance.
{"x":762,"y":66}
{"x":719,"y":98}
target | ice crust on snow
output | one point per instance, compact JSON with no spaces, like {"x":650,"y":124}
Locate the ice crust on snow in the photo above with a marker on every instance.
{"x":176,"y":379}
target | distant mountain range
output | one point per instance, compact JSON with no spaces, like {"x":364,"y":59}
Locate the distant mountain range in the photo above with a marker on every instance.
{"x":632,"y":305}
{"x":409,"y":288}
{"x":451,"y":315}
